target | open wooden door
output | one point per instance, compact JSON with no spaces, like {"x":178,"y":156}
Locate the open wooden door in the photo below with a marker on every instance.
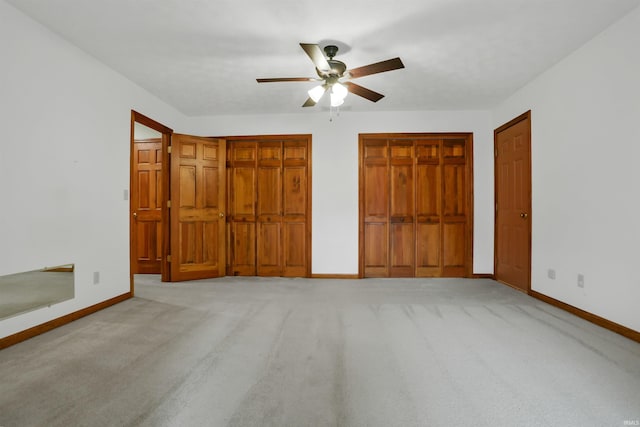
{"x":197,"y":208}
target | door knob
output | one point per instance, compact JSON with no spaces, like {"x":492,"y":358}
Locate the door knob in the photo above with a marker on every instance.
{"x":524,"y":215}
{"x":221,"y":215}
{"x":135,"y":215}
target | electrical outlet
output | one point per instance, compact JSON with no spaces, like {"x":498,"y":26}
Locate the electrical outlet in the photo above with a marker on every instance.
{"x":580,"y":281}
{"x":96,"y":277}
{"x":551,"y":273}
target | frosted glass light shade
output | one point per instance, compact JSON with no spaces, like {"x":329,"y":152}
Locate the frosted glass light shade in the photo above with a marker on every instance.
{"x":316,"y":93}
{"x":336,"y":100}
{"x":339,"y":91}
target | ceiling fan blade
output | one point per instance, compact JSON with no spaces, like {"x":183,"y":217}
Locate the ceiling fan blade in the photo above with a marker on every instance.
{"x":378,"y":67}
{"x":316,"y":55}
{"x":309,"y":103}
{"x":363,"y":92}
{"x":287,"y":79}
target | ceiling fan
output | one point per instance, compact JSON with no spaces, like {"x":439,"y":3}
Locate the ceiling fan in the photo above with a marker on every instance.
{"x":334,"y":76}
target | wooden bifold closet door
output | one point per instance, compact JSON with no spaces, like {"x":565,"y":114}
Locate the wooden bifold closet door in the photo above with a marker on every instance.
{"x":415,"y":205}
{"x":269,"y":206}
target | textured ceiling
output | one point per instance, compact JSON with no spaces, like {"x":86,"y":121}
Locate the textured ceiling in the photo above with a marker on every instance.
{"x":203,"y":56}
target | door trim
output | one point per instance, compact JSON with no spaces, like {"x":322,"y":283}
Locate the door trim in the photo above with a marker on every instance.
{"x":526,"y":116}
{"x":166,"y":139}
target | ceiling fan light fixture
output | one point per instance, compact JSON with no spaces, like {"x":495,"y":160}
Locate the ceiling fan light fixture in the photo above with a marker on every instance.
{"x":336,"y":100}
{"x":339,"y":91}
{"x":316,"y":93}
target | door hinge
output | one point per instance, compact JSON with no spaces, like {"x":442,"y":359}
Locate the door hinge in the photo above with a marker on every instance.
{"x":169,"y":149}
{"x":496,"y":207}
{"x":168,"y":203}
{"x":495,"y":152}
{"x":168,"y":258}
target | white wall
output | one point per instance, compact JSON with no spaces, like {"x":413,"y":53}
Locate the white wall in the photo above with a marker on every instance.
{"x":585,"y":153}
{"x":141,"y":131}
{"x":64,"y":163}
{"x":335,"y":171}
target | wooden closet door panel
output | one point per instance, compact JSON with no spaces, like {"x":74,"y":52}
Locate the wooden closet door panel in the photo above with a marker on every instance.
{"x":243,"y":206}
{"x":376,"y":199}
{"x":269,"y":192}
{"x":375,"y":189}
{"x":269,"y":262}
{"x":401,"y":180}
{"x":454,"y":249}
{"x":376,"y":180}
{"x":428,"y":249}
{"x":244,"y":248}
{"x":454,"y":213}
{"x":294,"y":191}
{"x":428,"y":208}
{"x":402,"y":192}
{"x":428,"y":191}
{"x":241,"y":217}
{"x":294,"y":244}
{"x":401,"y":209}
{"x":269,"y":209}
{"x":376,"y":255}
{"x":242,"y":221}
{"x":402,"y":250}
{"x":295,"y":206}
{"x":454,"y":190}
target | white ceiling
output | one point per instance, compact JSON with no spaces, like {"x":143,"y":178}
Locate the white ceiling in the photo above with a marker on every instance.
{"x":203,"y":56}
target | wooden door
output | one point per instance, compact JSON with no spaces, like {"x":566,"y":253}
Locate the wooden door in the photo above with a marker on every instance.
{"x":416,"y":205}
{"x":401,"y":209}
{"x":513,"y":203}
{"x":241,"y":258}
{"x":456,"y":198}
{"x":428,"y":208}
{"x":269,"y":212}
{"x":374,"y":198}
{"x":197,"y":207}
{"x":146,"y":206}
{"x":295,"y":208}
{"x":269,"y":205}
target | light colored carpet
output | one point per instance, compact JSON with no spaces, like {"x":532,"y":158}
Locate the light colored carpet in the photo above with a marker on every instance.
{"x":298,"y":352}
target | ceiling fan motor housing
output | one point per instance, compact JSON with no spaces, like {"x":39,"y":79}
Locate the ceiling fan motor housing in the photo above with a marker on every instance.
{"x":336,"y":68}
{"x":331,"y":51}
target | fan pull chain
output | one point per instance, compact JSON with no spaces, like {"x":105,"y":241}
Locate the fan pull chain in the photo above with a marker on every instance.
{"x":331,"y":110}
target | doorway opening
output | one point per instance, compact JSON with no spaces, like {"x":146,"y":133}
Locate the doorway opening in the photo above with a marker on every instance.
{"x":148,"y":226}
